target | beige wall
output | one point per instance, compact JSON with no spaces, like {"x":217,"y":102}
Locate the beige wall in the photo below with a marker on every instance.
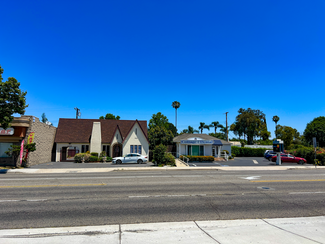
{"x":136,"y":137}
{"x":44,"y":139}
{"x":117,"y":139}
{"x":96,"y":138}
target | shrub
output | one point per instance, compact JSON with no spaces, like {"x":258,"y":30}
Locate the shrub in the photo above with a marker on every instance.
{"x":109,"y":159}
{"x":94,"y":154}
{"x":248,"y":152}
{"x":93,"y":159}
{"x":159,"y":154}
{"x":102,"y":154}
{"x":78,"y":157}
{"x":226,"y":151}
{"x":169,"y":159}
{"x":198,"y":158}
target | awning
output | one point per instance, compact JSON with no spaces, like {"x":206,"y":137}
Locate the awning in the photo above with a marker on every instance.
{"x":217,"y":143}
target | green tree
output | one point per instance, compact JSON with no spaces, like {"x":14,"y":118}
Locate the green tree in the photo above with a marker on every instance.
{"x":173,"y":129}
{"x":159,"y":135}
{"x":110,"y":116}
{"x":189,"y":130}
{"x":176,"y":105}
{"x":275,"y":120}
{"x":286,"y":134}
{"x":250,"y":123}
{"x":12,"y":100}
{"x":216,"y":125}
{"x":315,"y":128}
{"x":14,"y":151}
{"x":44,"y":119}
{"x":158,"y":119}
{"x":203,"y":126}
{"x":219,"y":135}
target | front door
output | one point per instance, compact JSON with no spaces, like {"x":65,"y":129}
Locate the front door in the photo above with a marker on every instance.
{"x":64,"y":154}
{"x":117,"y":150}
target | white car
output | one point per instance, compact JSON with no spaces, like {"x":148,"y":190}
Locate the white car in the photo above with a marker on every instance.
{"x":130,"y":158}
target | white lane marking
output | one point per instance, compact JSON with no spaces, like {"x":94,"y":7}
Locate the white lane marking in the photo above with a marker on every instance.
{"x":201,"y":195}
{"x":255,"y":162}
{"x":24,"y":200}
{"x":317,"y":192}
{"x":251,"y":177}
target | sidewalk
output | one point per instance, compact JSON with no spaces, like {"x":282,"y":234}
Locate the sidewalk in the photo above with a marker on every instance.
{"x":280,"y":230}
{"x":109,"y":169}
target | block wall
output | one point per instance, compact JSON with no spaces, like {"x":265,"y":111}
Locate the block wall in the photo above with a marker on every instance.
{"x":44,"y":139}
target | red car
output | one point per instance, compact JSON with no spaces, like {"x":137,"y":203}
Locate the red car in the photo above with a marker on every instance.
{"x":288,"y":158}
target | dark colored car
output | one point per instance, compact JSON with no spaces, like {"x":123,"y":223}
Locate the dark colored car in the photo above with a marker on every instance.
{"x":288,"y":158}
{"x":269,"y":154}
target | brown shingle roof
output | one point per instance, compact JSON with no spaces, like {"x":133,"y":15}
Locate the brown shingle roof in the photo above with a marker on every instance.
{"x":79,"y":130}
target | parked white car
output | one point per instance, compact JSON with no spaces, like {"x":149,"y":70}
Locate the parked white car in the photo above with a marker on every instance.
{"x":130,"y":158}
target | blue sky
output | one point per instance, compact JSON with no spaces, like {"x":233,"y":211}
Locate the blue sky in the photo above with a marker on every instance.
{"x":134,"y":58}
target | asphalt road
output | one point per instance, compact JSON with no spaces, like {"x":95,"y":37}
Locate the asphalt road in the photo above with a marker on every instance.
{"x":54,"y":200}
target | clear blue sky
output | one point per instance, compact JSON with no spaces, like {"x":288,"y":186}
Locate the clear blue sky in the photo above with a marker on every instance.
{"x":134,"y":58}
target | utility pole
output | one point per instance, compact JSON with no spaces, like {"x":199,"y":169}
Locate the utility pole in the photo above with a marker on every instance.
{"x":77,"y":112}
{"x":227,"y":125}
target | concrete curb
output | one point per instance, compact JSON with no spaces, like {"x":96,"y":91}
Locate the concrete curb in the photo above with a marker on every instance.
{"x":103,"y":170}
{"x":277,"y":230}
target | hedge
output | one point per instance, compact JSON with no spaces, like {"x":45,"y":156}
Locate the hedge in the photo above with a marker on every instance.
{"x":308,"y":153}
{"x":198,"y":158}
{"x":248,"y":152}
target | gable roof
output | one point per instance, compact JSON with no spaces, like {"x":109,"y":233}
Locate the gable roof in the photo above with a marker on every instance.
{"x":203,"y":136}
{"x":79,"y":130}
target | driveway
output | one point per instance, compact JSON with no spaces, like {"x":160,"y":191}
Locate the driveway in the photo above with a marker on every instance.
{"x":241,"y":161}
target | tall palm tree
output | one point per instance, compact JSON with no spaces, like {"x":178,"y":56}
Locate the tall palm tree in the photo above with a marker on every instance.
{"x":191,"y":130}
{"x":203,"y":126}
{"x":276,"y":120}
{"x":216,"y":125}
{"x":176,"y":105}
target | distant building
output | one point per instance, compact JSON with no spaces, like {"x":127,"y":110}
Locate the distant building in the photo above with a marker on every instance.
{"x":115,"y":137}
{"x":20,"y":129}
{"x":200,"y":145}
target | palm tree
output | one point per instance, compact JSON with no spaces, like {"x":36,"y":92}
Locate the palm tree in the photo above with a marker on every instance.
{"x":216,"y":125}
{"x":203,"y":126}
{"x":176,"y":105}
{"x":275,"y":120}
{"x":191,"y":130}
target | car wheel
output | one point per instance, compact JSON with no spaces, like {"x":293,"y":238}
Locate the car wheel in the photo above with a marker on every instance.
{"x":139,"y":161}
{"x":118,"y":162}
{"x":269,"y":159}
{"x":301,"y":162}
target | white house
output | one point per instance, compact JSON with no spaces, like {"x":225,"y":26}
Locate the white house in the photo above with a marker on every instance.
{"x":200,"y":145}
{"x":115,"y":137}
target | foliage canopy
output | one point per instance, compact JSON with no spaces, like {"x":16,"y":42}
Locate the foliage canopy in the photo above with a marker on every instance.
{"x":12,"y":100}
{"x":316,"y":128}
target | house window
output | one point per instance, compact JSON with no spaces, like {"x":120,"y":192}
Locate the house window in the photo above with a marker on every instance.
{"x":84,"y":148}
{"x":136,"y":131}
{"x":189,"y":150}
{"x":4,"y":146}
{"x":106,"y":149}
{"x":135,"y":149}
